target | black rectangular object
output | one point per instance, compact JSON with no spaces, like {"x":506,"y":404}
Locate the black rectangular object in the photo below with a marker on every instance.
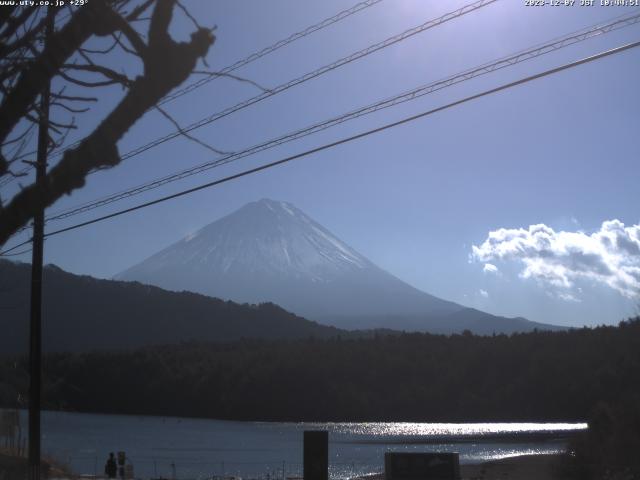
{"x":316,"y":455}
{"x":421,"y":466}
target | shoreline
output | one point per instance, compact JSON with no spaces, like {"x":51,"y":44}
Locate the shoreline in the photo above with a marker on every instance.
{"x":521,"y":467}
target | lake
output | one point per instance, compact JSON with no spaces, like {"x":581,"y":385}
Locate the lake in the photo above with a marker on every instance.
{"x":199,"y":448}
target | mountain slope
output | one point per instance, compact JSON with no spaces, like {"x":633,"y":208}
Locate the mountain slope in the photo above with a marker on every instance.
{"x":82,"y":313}
{"x":272,"y":251}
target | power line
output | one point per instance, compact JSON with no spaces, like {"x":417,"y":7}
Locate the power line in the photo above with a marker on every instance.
{"x":353,"y":137}
{"x":306,"y":77}
{"x":234,"y":66}
{"x":521,"y":56}
{"x":27,"y":250}
{"x":545,"y":73}
{"x":272,"y":48}
{"x":313,"y":74}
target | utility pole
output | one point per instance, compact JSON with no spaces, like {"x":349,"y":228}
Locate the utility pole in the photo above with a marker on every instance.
{"x":35,"y":332}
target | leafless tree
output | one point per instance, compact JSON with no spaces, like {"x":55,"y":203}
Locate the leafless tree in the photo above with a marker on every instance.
{"x":139,"y":28}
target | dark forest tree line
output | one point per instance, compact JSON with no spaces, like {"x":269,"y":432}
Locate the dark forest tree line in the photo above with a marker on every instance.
{"x":540,"y":376}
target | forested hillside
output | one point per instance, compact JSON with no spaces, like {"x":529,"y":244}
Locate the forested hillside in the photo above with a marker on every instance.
{"x":540,"y":376}
{"x":82,"y":313}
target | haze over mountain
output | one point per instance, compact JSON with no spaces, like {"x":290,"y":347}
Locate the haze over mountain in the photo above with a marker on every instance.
{"x":271,"y":251}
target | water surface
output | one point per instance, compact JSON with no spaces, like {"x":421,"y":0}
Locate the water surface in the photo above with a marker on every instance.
{"x":199,"y":448}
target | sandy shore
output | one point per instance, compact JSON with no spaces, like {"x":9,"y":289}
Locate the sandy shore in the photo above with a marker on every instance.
{"x":525,"y":467}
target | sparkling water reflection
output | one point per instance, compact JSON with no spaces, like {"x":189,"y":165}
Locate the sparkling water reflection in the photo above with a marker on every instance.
{"x":200,"y":449}
{"x":445,"y":429}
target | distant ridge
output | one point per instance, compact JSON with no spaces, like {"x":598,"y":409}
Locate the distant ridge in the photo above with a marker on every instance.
{"x":271,"y":251}
{"x":82,"y":313}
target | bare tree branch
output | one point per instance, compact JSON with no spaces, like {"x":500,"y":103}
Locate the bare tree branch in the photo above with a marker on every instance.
{"x":188,"y":14}
{"x":139,"y":10}
{"x":73,"y":98}
{"x":5,"y":15}
{"x":112,"y":75}
{"x":101,"y":52}
{"x":167,"y":64}
{"x":13,"y":24}
{"x":122,"y":45}
{"x":189,"y":136}
{"x":234,"y":77}
{"x":139,"y":47}
{"x":87,"y":21}
{"x":84,"y":83}
{"x":68,"y":108}
{"x":28,"y":37}
{"x":19,"y":137}
{"x":63,"y":126}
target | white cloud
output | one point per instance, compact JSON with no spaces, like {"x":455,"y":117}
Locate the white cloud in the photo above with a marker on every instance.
{"x":484,"y":293}
{"x":610,"y":256}
{"x":566,"y":296}
{"x":490,"y":268}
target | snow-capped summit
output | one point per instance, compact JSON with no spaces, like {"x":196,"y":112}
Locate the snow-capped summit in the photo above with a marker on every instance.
{"x":270,"y":251}
{"x":264,"y":237}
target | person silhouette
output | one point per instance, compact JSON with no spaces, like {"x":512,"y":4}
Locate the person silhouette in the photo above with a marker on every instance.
{"x":110,"y":468}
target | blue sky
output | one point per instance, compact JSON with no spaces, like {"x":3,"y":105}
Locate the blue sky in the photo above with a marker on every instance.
{"x":562,"y":152}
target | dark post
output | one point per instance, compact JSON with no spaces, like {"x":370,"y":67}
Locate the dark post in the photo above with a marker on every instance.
{"x":35,"y":338}
{"x":316,"y":455}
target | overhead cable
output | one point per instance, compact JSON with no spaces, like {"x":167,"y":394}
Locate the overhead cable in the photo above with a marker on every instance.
{"x":367,"y":133}
{"x":234,"y":66}
{"x":513,"y":59}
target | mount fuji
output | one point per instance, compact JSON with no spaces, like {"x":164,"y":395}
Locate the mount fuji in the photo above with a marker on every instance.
{"x":270,"y":251}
